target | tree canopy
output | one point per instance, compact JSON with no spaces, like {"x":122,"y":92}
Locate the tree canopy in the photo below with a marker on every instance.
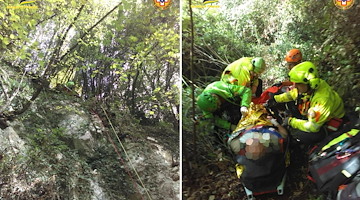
{"x":122,"y":50}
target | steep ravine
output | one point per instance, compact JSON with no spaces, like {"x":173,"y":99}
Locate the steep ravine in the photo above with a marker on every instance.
{"x":58,"y":149}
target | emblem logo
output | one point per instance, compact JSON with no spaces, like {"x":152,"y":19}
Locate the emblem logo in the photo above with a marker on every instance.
{"x":344,"y":4}
{"x":22,"y":2}
{"x":162,"y":4}
{"x":210,"y":1}
{"x":207,"y":4}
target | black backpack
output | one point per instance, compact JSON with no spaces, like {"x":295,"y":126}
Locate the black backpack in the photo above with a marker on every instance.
{"x":350,"y":191}
{"x":335,"y":161}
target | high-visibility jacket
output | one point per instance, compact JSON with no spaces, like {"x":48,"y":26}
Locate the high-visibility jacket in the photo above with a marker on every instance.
{"x":319,"y":107}
{"x":238,"y":73}
{"x":235,"y":94}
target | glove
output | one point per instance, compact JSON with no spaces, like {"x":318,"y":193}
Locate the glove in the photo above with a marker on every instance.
{"x":274,"y":122}
{"x":244,"y":111}
{"x":271,"y":101}
{"x":286,"y":121}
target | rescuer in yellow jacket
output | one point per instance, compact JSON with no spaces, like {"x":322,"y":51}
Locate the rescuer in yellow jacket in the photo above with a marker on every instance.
{"x":245,"y":72}
{"x":317,"y":102}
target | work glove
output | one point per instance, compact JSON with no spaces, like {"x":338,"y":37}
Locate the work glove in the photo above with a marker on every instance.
{"x":244,"y":111}
{"x":274,"y":122}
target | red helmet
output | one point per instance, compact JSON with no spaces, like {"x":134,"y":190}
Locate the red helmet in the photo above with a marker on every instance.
{"x":294,"y":55}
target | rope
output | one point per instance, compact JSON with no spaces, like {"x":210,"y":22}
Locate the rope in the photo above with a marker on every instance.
{"x":123,"y":163}
{"x":127,"y":156}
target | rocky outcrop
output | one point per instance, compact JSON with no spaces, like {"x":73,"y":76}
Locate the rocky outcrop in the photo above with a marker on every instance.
{"x":59,"y":150}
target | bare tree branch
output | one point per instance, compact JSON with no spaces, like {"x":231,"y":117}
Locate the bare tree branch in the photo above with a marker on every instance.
{"x":54,"y":58}
{"x":88,"y":31}
{"x":9,"y":100}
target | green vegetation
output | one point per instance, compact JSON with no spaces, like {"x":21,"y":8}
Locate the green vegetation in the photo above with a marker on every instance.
{"x":326,"y":35}
{"x":269,"y":29}
{"x":50,"y":154}
{"x":108,"y":49}
{"x":120,"y":55}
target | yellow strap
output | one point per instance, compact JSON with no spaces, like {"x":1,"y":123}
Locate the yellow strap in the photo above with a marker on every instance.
{"x":239,"y":170}
{"x":342,"y":137}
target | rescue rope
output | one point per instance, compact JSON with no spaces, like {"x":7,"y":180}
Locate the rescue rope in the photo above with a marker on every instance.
{"x":127,"y":156}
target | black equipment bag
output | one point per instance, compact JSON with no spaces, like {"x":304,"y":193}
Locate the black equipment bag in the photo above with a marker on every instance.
{"x":335,"y":161}
{"x":350,"y":191}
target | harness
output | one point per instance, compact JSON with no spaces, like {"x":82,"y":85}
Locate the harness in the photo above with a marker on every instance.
{"x":303,"y":103}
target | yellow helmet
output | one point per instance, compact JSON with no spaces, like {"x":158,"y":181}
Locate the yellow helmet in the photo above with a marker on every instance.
{"x":258,"y":64}
{"x":306,"y":73}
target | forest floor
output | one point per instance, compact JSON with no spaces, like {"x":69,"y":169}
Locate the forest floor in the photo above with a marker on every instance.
{"x":217,"y":180}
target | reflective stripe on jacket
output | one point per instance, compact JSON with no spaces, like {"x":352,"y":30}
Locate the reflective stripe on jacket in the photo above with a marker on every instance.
{"x":325,"y":104}
{"x":238,"y":72}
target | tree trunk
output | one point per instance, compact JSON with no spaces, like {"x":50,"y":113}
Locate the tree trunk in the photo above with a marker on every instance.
{"x":133,"y":93}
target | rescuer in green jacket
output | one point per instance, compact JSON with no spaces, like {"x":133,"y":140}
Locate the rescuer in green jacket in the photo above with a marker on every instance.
{"x":317,"y":102}
{"x":245,"y":72}
{"x":220,"y":96}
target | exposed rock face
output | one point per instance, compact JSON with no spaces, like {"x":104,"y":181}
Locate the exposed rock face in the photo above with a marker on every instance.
{"x":155,"y":165}
{"x":59,"y":150}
